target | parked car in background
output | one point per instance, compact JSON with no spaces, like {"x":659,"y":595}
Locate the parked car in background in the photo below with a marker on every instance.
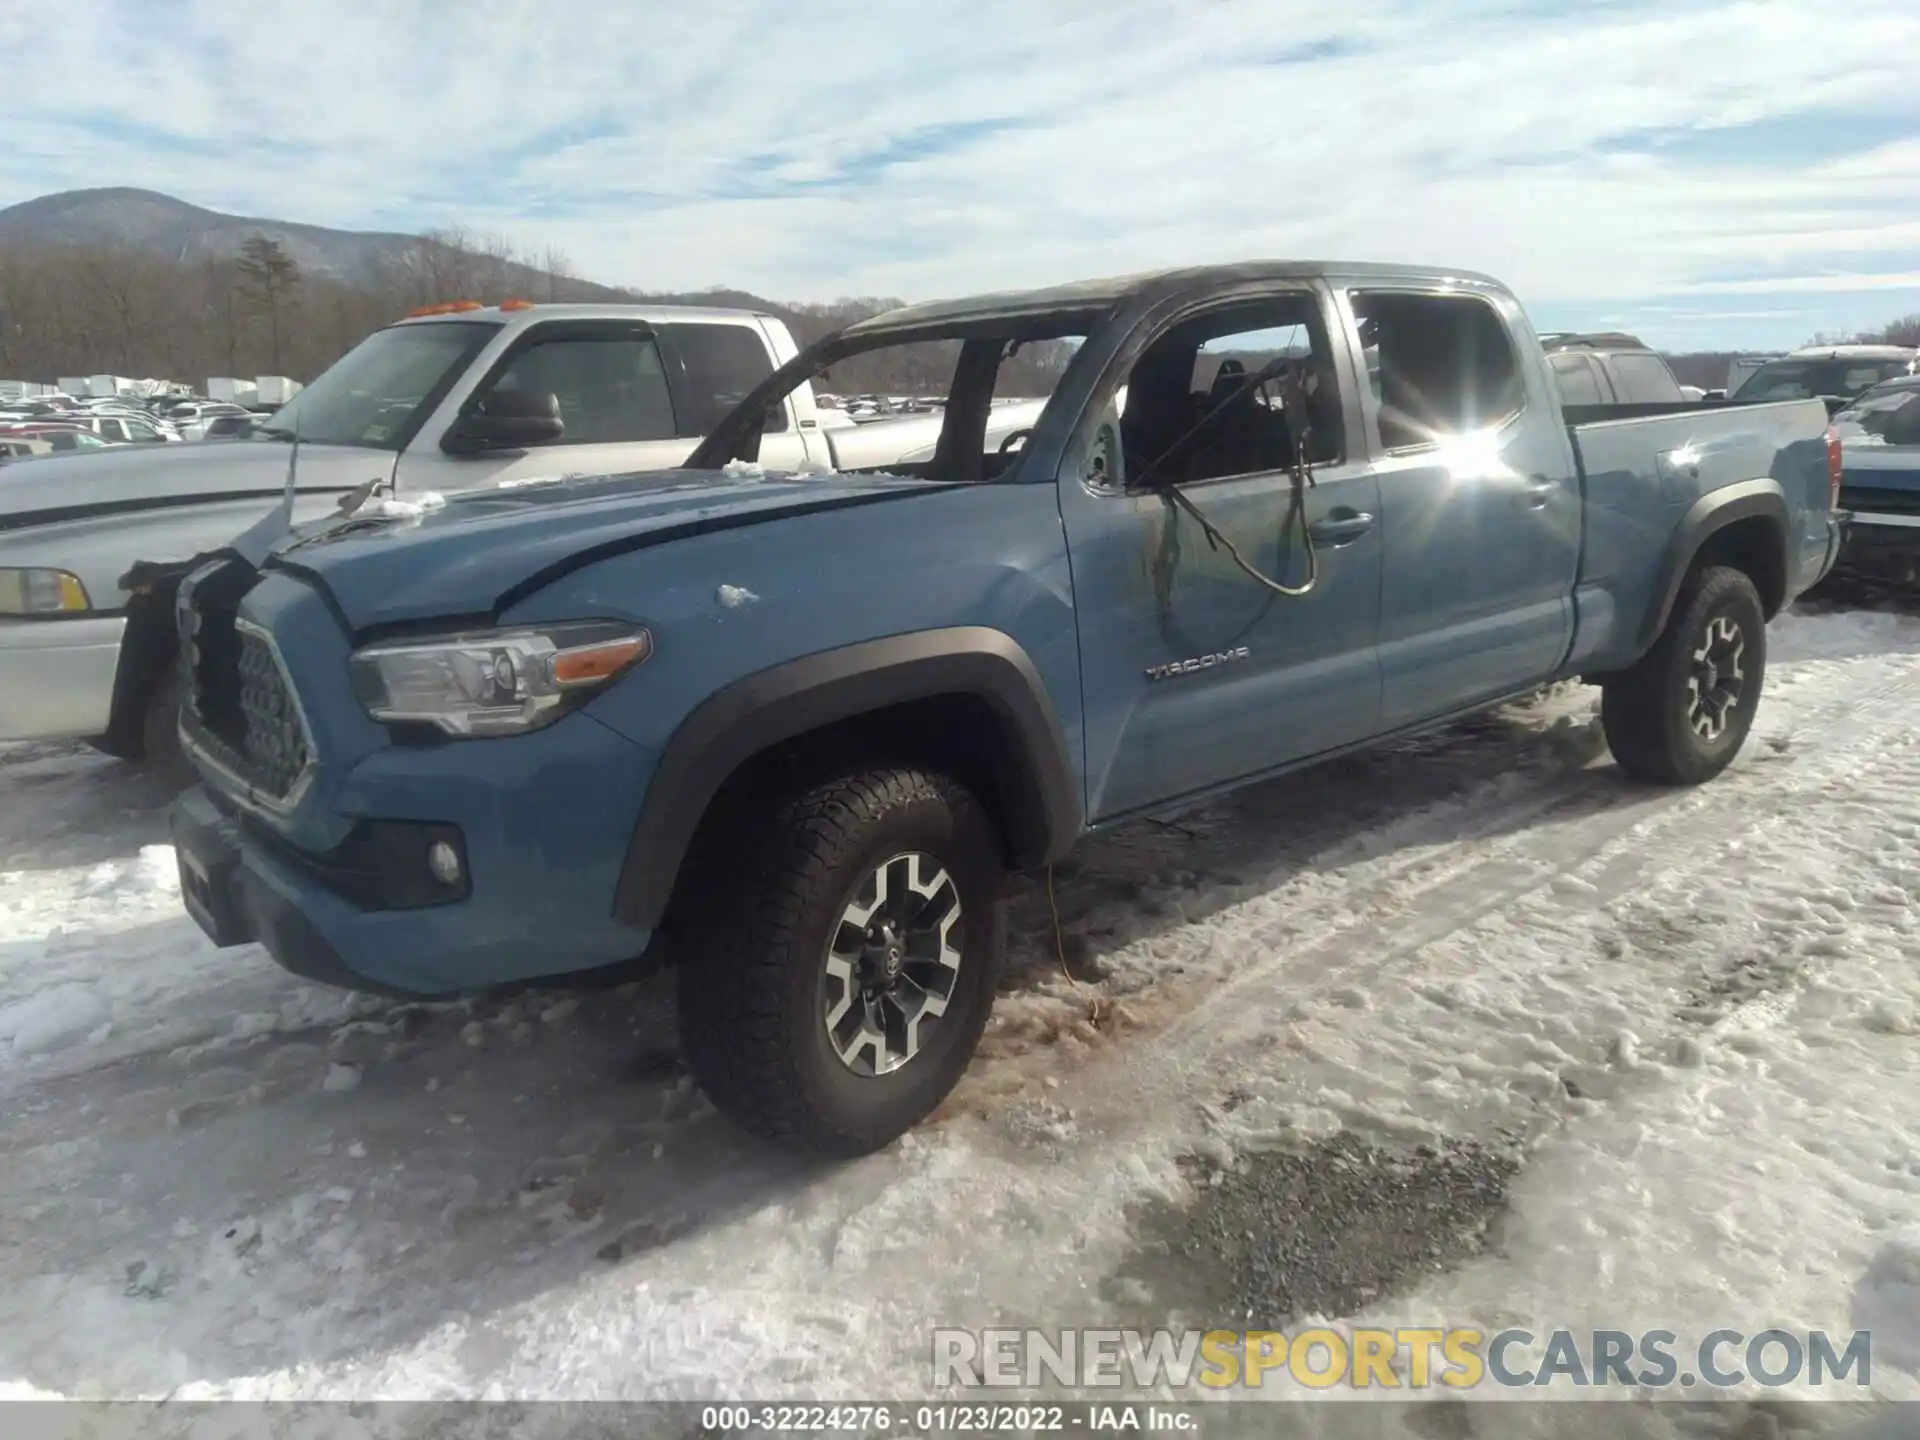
{"x":35,"y":409}
{"x":125,"y":427}
{"x":59,"y":435}
{"x":438,"y":402}
{"x":65,"y":439}
{"x":1609,"y":369}
{"x":1834,"y":373}
{"x":222,"y":427}
{"x":184,"y":412}
{"x":800,"y":726}
{"x":1879,"y":435}
{"x":20,"y":447}
{"x":213,"y":420}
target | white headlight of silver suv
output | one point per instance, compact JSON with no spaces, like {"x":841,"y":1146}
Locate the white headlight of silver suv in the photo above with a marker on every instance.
{"x":494,"y":682}
{"x":42,"y":592}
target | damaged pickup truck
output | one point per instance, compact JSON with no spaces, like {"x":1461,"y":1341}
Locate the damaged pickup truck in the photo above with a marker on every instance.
{"x":796,"y":729}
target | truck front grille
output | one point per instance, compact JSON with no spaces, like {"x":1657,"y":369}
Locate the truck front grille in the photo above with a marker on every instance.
{"x":237,"y":706}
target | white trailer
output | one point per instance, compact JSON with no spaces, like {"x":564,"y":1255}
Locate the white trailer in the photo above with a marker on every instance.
{"x":232,"y":391}
{"x":276,"y":389}
{"x":76,"y":386}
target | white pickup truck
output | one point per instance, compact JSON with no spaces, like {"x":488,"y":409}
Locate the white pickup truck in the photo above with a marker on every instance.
{"x":435,"y":403}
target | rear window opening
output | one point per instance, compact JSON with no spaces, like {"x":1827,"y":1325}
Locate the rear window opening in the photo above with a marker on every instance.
{"x":1645,"y":380}
{"x":1439,"y":366}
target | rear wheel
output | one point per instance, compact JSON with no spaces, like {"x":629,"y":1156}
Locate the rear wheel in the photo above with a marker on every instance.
{"x":1681,"y":714}
{"x":835,"y":984}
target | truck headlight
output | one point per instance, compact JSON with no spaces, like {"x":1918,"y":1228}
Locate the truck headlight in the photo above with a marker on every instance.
{"x":42,"y":592}
{"x":494,"y":682}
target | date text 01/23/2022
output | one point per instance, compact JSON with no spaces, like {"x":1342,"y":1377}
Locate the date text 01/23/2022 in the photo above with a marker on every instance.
{"x":971,"y":1419}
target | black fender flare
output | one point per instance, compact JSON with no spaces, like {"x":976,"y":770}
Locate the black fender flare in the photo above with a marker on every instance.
{"x":148,"y":649}
{"x":743,"y":719}
{"x":1744,"y":500}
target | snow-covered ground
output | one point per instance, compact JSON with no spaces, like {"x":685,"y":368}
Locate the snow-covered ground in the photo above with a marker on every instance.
{"x":1689,"y":1018}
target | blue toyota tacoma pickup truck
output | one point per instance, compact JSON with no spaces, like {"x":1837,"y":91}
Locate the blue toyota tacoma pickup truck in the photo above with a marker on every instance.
{"x":796,"y":728}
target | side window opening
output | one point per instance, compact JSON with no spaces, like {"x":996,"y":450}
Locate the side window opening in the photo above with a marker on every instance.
{"x":1645,"y":380}
{"x":612,"y":387}
{"x":720,"y":364}
{"x":959,"y":400}
{"x":1577,"y":380}
{"x":1203,"y":367}
{"x":1445,"y":365}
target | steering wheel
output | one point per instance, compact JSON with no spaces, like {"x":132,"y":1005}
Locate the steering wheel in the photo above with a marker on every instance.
{"x":1014,"y":439}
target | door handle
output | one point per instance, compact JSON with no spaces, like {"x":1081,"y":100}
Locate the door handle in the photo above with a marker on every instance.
{"x":1341,"y":527}
{"x":1540,"y":491}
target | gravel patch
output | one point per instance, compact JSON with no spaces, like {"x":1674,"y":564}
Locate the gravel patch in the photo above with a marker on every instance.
{"x":1326,"y":1230}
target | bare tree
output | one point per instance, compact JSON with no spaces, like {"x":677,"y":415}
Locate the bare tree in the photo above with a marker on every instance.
{"x":274,"y":279}
{"x":1904,"y":331}
{"x":225,"y":305}
{"x":558,"y":268}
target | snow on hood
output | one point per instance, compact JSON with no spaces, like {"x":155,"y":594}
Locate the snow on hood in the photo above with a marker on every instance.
{"x":461,"y":556}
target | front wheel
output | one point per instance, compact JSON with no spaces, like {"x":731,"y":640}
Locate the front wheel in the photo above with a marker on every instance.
{"x":1681,"y":714}
{"x":836,"y":982}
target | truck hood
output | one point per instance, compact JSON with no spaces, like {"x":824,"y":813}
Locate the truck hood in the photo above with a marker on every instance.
{"x":482,"y":550}
{"x":1871,"y":463}
{"x":145,"y":477}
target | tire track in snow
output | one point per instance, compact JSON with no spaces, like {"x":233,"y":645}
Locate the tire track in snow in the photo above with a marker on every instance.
{"x":1452,"y":864}
{"x":1135,"y":1109}
{"x":1498,"y":876}
{"x":1149,"y":1109}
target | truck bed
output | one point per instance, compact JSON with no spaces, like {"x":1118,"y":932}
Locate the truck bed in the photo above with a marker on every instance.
{"x":1643,"y":467}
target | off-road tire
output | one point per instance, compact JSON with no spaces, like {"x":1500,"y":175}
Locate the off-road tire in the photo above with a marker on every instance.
{"x":1646,"y":709}
{"x":750,"y":978}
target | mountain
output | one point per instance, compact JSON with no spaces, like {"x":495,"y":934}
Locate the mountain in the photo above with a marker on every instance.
{"x":130,"y":219}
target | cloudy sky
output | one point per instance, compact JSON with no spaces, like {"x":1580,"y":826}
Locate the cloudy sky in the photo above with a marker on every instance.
{"x":1710,"y":174}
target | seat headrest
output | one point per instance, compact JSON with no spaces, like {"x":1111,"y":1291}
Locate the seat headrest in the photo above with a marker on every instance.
{"x":1231,"y":375}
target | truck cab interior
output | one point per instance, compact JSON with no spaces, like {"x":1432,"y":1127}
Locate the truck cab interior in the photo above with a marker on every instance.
{"x":1195,"y":412}
{"x":970,"y":368}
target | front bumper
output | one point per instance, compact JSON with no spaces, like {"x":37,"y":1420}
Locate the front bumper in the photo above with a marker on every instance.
{"x":239,"y":897}
{"x":1882,"y":547}
{"x":56,"y":676}
{"x":542,"y":823}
